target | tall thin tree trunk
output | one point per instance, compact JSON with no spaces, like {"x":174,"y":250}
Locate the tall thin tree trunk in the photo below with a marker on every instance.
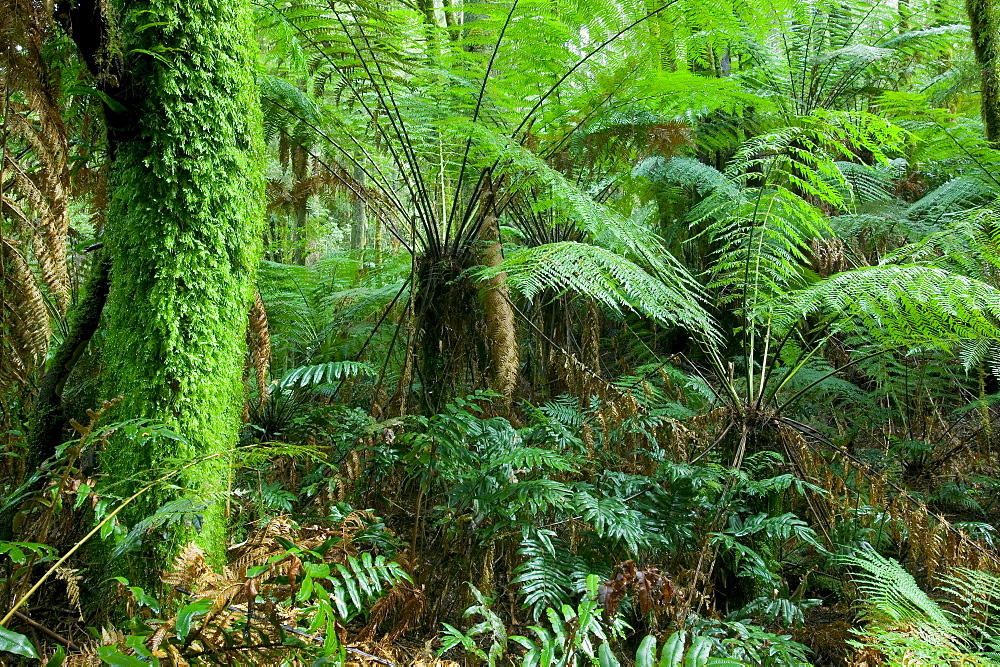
{"x":984,"y":22}
{"x":183,"y":232}
{"x":300,"y":172}
{"x":359,"y":217}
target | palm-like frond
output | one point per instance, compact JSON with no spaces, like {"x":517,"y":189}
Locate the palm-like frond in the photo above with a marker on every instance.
{"x":903,"y":306}
{"x":609,"y":278}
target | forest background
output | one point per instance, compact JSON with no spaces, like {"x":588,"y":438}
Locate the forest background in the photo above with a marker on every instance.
{"x":523,"y":332}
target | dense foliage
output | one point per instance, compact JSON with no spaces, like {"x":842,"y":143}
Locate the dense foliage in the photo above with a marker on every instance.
{"x":522,"y":332}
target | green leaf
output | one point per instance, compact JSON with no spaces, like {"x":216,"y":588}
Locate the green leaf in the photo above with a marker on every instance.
{"x":18,"y":644}
{"x":606,"y":658}
{"x":673,"y":650}
{"x":112,"y":656}
{"x":187,"y":613}
{"x":57,"y":658}
{"x":697,"y":655}
{"x":82,"y":493}
{"x":646,"y":655}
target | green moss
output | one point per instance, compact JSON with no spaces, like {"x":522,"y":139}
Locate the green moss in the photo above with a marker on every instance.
{"x":184,"y":229}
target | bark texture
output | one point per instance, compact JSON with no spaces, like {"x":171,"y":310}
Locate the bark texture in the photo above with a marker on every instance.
{"x":984,"y":23}
{"x":183,"y":232}
{"x":501,"y":327}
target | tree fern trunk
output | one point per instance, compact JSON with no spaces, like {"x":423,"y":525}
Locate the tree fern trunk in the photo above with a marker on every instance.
{"x":183,"y":231}
{"x":984,"y":22}
{"x":500,"y":323}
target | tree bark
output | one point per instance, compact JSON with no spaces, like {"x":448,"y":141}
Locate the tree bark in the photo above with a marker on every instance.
{"x":984,"y":23}
{"x":359,"y":217}
{"x":501,"y":329}
{"x":183,"y":231}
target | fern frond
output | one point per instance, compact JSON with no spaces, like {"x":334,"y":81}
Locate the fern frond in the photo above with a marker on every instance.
{"x":903,"y":306}
{"x":317,"y":374}
{"x":605,"y":276}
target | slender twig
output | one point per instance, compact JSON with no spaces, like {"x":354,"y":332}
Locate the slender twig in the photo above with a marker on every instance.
{"x":44,"y":630}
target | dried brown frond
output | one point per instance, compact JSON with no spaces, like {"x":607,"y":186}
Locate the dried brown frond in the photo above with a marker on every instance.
{"x":36,"y":176}
{"x":259,"y":346}
{"x":190,"y":571}
{"x":260,"y":546}
{"x":653,"y":591}
{"x":829,"y":256}
{"x":72,"y":580}
{"x":24,"y":319}
{"x":404,"y":602}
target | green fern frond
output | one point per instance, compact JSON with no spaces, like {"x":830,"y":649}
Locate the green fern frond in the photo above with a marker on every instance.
{"x":605,"y":276}
{"x":549,"y":573}
{"x":903,"y":306}
{"x":891,"y":593}
{"x":317,"y":374}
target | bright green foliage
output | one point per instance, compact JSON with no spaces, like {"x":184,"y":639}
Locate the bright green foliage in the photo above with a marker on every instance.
{"x":183,"y":231}
{"x":906,"y":306}
{"x":16,"y":643}
{"x":566,"y":635}
{"x":907,"y":624}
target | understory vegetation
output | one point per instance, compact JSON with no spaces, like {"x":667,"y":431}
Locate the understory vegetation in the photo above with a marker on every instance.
{"x":541,"y":333}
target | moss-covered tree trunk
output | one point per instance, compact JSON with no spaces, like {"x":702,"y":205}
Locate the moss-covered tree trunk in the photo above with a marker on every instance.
{"x":984,"y":23}
{"x":183,"y":232}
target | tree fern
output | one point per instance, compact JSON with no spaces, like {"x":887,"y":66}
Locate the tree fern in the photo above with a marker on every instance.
{"x":605,"y":276}
{"x":903,"y":306}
